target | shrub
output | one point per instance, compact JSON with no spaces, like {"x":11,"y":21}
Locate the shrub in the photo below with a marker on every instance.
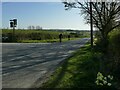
{"x":114,"y":51}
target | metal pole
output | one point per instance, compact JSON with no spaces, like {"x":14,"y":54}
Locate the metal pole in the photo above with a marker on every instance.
{"x":13,"y":24}
{"x":91,"y":24}
{"x":13,"y":33}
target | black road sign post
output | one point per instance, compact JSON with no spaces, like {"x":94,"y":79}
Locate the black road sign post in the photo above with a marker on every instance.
{"x":13,"y":24}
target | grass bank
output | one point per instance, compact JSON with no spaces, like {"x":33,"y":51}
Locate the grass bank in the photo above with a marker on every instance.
{"x":78,"y":71}
{"x":45,"y":41}
{"x":81,"y":69}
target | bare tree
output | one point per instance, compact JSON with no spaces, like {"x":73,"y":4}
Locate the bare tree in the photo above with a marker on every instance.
{"x":105,"y":15}
{"x":33,"y":27}
{"x":38,"y":28}
{"x":30,"y":27}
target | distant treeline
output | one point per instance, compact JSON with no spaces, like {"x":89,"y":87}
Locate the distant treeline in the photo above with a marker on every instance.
{"x":38,"y":34}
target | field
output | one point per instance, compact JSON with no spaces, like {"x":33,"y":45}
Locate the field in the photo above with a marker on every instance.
{"x":40,"y":35}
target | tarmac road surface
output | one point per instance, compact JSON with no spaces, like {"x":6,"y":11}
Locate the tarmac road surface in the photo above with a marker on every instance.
{"x":26,"y":65}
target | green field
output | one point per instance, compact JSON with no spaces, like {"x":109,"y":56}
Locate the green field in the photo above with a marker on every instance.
{"x":35,"y":36}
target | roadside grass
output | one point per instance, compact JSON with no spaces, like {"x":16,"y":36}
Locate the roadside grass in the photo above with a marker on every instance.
{"x":45,"y":41}
{"x":35,"y":36}
{"x":78,"y":71}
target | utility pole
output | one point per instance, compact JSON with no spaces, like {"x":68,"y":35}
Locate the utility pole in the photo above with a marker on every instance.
{"x":13,"y":24}
{"x":91,"y":24}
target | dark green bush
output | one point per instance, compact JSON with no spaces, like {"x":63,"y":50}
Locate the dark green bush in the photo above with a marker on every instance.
{"x":114,"y":51}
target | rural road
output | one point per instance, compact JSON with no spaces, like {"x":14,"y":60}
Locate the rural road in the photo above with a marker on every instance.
{"x":26,"y":65}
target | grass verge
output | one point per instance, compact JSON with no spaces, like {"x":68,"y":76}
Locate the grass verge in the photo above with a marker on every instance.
{"x":45,"y":41}
{"x":78,"y":71}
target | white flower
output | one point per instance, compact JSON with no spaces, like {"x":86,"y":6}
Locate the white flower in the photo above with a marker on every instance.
{"x":110,"y":77}
{"x":99,"y":74}
{"x":104,"y":82}
{"x":105,"y":78}
{"x":109,"y":84}
{"x":101,"y":84}
{"x":99,"y":78}
{"x":97,"y":82}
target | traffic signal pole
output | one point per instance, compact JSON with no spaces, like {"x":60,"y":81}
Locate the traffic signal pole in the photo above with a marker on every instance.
{"x":13,"y":33}
{"x":13,"y":24}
